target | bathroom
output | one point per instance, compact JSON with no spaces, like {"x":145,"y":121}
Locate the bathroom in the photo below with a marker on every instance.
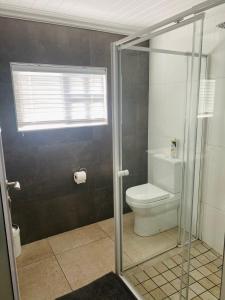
{"x":148,"y":152}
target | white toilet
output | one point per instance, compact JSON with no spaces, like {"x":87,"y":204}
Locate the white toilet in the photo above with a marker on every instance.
{"x":155,"y":205}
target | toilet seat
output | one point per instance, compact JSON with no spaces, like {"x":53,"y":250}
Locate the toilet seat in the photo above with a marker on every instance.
{"x":148,"y":195}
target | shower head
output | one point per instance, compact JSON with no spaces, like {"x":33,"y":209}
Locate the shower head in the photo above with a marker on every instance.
{"x":221,"y":25}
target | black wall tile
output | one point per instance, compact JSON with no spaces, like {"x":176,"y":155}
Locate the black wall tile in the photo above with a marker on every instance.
{"x":44,"y":161}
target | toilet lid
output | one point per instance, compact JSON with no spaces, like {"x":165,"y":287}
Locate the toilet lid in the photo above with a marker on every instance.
{"x":146,"y":193}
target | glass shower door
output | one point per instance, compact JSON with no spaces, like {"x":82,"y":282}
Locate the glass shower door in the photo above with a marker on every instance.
{"x":155,"y":130}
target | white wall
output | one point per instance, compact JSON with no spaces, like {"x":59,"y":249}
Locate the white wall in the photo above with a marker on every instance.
{"x":168,"y":86}
{"x":213,"y":205}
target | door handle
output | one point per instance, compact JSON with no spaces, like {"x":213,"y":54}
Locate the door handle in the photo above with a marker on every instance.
{"x":14,"y":184}
{"x":123,"y":173}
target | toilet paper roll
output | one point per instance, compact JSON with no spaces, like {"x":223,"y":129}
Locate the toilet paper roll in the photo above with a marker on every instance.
{"x":80,"y":177}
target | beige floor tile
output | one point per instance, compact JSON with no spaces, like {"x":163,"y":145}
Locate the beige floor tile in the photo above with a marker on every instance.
{"x":149,"y":285}
{"x":34,"y":252}
{"x":201,"y":248}
{"x":140,"y":289}
{"x":203,"y":259}
{"x":141,"y":248}
{"x":196,"y":275}
{"x":177,"y":259}
{"x":43,"y":280}
{"x":195,"y":263}
{"x":197,"y":288}
{"x":169,"y":275}
{"x":158,"y":294}
{"x":175,"y":296}
{"x":168,"y":289}
{"x":141,"y":276}
{"x":133,"y":270}
{"x":176,"y":283}
{"x":151,"y":271}
{"x":132,"y":279}
{"x":219,"y":273}
{"x":169,"y":263}
{"x":159,"y":280}
{"x":207,"y":296}
{"x":84,"y":264}
{"x":206,"y":283}
{"x":177,"y":271}
{"x":127,"y":262}
{"x":215,"y":291}
{"x":191,"y":294}
{"x":108,"y":227}
{"x":215,"y":279}
{"x":75,"y":238}
{"x":205,"y":271}
{"x":213,"y":268}
{"x":211,"y":256}
{"x":172,"y":233}
{"x":128,"y":222}
{"x":160,"y":267}
{"x":218,"y":262}
{"x":186,"y":264}
{"x":195,"y":252}
{"x":148,"y":297}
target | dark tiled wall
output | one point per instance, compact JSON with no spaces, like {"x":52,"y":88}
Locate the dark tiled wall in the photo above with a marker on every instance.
{"x":135,"y":80}
{"x":44,"y":161}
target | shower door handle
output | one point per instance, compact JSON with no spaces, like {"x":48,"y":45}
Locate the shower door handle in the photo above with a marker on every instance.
{"x":13,"y":184}
{"x":123,"y":173}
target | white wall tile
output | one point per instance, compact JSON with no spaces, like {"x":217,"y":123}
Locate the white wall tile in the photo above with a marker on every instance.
{"x":214,"y":178}
{"x":213,"y":225}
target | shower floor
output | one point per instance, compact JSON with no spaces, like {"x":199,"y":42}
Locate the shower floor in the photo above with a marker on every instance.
{"x":159,"y":278}
{"x":59,"y":264}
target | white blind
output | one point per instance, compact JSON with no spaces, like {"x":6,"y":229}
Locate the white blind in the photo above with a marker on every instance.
{"x":207,"y":98}
{"x":48,"y":96}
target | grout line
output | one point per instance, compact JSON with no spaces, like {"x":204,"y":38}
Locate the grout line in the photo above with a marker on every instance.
{"x":63,"y":272}
{"x":195,"y":281}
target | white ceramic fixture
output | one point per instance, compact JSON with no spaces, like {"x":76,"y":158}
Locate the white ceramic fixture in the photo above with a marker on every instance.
{"x":155,"y":205}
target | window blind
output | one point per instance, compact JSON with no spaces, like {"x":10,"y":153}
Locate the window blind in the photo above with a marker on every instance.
{"x":206,"y":98}
{"x":48,"y":96}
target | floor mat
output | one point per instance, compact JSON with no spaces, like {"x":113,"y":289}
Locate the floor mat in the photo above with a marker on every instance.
{"x":108,"y":287}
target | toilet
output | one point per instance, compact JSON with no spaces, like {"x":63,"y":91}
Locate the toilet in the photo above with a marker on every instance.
{"x":155,"y":205}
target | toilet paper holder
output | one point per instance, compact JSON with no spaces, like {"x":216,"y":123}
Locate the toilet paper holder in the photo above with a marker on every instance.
{"x":80,"y":169}
{"x":80,"y":175}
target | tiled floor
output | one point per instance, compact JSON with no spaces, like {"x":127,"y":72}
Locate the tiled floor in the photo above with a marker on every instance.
{"x":52,"y":267}
{"x":159,"y":278}
{"x":138,"y":248}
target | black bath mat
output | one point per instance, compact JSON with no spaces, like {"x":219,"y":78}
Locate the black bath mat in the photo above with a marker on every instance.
{"x":108,"y":287}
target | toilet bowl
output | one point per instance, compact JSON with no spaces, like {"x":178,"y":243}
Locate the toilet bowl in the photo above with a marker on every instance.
{"x":155,"y":204}
{"x":155,"y":210}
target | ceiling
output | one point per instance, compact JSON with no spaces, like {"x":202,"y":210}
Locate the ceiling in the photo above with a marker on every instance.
{"x":120,"y":16}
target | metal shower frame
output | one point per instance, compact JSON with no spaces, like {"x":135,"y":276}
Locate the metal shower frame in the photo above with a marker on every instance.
{"x":130,"y":43}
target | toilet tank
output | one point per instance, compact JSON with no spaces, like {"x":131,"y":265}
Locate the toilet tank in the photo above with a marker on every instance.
{"x":167,"y":173}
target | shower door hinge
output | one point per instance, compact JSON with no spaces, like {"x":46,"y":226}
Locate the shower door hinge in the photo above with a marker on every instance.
{"x":123,"y":173}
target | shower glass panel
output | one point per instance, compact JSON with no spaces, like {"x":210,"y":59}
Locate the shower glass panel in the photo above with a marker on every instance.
{"x":157,"y":125}
{"x":207,"y":262}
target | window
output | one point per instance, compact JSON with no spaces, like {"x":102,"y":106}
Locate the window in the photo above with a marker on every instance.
{"x":49,"y":96}
{"x":207,"y":98}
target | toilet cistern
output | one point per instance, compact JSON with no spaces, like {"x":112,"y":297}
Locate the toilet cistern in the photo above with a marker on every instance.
{"x":155,"y":204}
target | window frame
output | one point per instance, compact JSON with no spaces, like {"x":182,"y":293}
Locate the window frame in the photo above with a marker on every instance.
{"x":18,"y":66}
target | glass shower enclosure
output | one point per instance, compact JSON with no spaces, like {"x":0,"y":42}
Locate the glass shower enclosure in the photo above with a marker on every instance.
{"x":157,"y":136}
